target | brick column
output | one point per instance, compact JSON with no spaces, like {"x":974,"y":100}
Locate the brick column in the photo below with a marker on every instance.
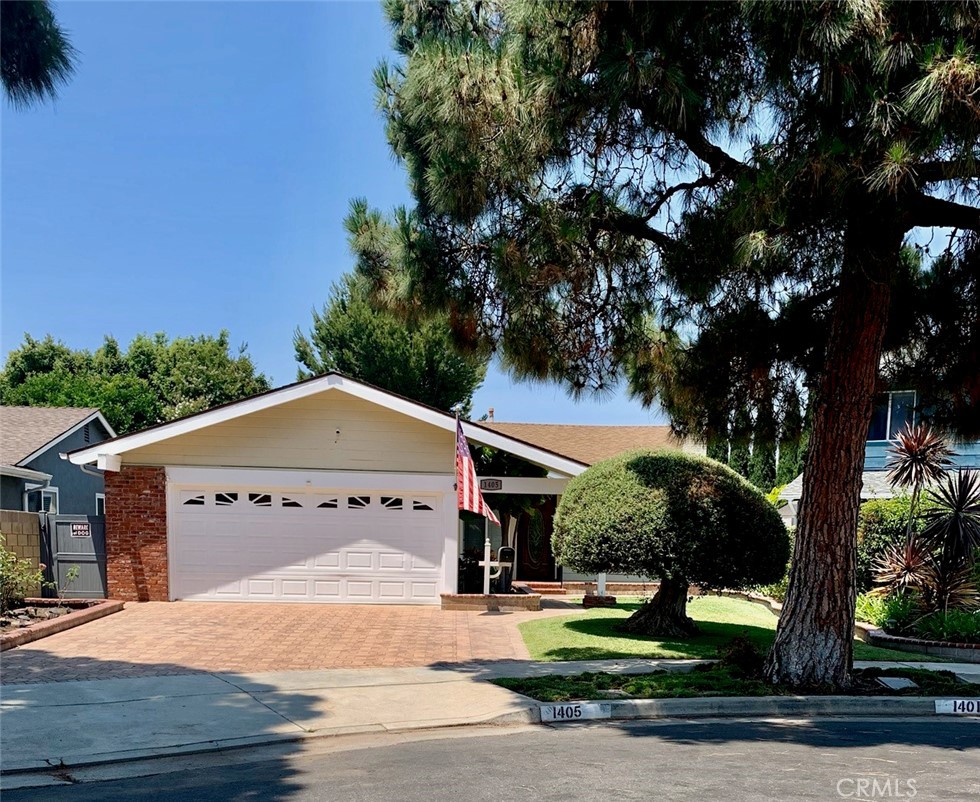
{"x":136,"y":534}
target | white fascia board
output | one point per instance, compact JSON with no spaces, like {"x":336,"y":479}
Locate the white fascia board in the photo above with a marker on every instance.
{"x":527,"y":485}
{"x":314,"y":481}
{"x":51,"y":443}
{"x":332,"y":381}
{"x":24,"y":473}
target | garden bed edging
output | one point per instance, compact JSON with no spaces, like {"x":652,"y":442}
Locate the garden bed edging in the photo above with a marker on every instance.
{"x":88,"y":610}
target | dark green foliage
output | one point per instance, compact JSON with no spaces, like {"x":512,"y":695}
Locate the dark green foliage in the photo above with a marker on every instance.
{"x":416,"y":359}
{"x":155,"y":380}
{"x":717,"y":449}
{"x":665,"y":514}
{"x":901,"y":613}
{"x":954,"y":626}
{"x":881,"y":524}
{"x":762,"y":463}
{"x":740,"y":455}
{"x":790,"y":439}
{"x":35,"y":54}
{"x":742,"y":658}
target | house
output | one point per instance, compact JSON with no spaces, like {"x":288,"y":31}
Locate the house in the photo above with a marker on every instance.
{"x":893,"y":411}
{"x":32,"y":476}
{"x":327,"y":490}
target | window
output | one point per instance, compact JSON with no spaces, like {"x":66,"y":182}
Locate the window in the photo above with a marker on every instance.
{"x":358,"y":502}
{"x":41,"y":499}
{"x":100,"y":504}
{"x":892,"y":412}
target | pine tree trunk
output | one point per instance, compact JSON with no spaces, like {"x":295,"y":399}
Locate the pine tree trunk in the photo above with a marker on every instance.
{"x":814,"y":637}
{"x":665,"y":614}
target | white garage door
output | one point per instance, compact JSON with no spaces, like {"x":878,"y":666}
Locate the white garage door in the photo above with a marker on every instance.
{"x":248,"y":544}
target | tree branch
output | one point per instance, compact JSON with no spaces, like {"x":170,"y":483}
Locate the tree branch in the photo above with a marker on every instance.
{"x":927,"y":211}
{"x":687,"y":186}
{"x":635,"y":227}
{"x":717,"y":159}
{"x":931,"y":172}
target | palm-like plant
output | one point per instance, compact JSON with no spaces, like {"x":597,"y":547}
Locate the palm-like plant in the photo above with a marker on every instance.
{"x":35,"y":54}
{"x":920,"y":456}
{"x":953,"y":519}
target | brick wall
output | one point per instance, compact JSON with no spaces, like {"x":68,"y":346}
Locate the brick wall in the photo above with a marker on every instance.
{"x":136,"y":534}
{"x":22,"y":535}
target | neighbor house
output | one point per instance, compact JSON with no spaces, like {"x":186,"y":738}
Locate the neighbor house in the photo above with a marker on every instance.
{"x":893,"y":411}
{"x":32,"y":476}
{"x":327,"y":490}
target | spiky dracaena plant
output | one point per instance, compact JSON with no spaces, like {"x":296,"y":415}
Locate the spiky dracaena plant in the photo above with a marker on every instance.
{"x":919,"y":456}
{"x":938,"y":563}
{"x":953,"y":519}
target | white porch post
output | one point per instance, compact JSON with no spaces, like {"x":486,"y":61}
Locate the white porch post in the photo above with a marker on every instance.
{"x":486,"y":565}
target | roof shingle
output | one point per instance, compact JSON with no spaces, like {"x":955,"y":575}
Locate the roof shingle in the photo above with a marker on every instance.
{"x":590,"y":444}
{"x":23,"y":430}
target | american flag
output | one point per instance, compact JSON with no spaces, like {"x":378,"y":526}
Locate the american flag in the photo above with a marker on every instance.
{"x":468,"y":495}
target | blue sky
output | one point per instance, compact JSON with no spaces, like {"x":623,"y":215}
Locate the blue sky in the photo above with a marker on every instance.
{"x":194,"y":176}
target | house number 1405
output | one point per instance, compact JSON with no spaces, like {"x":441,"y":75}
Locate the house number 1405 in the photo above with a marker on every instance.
{"x":576,"y":711}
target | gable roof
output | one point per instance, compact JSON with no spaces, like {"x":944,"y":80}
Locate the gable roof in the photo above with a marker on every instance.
{"x":330,"y":382}
{"x":27,"y":432}
{"x":590,"y":444}
{"x":874,"y":484}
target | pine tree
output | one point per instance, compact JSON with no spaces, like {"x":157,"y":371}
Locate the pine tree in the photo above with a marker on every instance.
{"x":762,"y":464}
{"x":790,"y":434}
{"x":741,"y":449}
{"x":742,"y":174}
{"x":414,"y":358}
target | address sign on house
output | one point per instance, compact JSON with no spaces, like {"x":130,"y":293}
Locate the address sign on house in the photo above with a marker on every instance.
{"x":81,"y":530}
{"x":491,"y":484}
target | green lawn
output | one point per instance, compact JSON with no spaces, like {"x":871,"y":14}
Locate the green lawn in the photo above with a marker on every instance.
{"x":590,"y":636}
{"x":717,"y":680}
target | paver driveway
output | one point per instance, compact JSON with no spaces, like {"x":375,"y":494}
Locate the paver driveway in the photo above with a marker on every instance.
{"x":156,"y":638}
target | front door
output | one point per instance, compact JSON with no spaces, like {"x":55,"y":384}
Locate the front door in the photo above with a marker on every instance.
{"x":535,"y":560}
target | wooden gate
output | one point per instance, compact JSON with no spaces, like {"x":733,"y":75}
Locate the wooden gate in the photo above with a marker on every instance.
{"x":75,"y":540}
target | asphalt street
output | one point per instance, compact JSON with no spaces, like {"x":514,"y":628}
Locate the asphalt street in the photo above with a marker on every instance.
{"x":828,"y":759}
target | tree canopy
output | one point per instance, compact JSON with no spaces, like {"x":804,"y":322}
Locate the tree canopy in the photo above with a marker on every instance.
{"x":670,"y":516}
{"x":35,"y":54}
{"x":414,"y":358}
{"x":727,"y":202}
{"x":155,"y":380}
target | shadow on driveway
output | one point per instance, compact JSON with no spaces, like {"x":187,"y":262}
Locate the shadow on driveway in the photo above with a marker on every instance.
{"x":54,"y":726}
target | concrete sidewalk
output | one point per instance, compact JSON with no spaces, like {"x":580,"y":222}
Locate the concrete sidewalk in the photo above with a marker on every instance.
{"x":94,"y":721}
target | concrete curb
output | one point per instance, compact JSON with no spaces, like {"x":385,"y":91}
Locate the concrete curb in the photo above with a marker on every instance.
{"x":53,"y":626}
{"x":530,"y":713}
{"x":761,"y":707}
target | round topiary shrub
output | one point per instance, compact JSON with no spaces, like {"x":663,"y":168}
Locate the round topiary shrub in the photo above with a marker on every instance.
{"x":669,"y":516}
